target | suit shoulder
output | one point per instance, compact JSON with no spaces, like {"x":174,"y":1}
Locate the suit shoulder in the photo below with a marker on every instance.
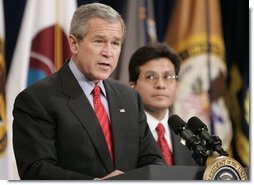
{"x":120,"y":86}
{"x":44,"y":85}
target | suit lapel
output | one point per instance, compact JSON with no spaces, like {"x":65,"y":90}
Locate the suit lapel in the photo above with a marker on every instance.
{"x":81,"y":108}
{"x":118,"y":121}
{"x":178,"y":154}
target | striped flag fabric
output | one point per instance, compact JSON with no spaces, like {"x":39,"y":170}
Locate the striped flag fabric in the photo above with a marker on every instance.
{"x":195,"y":32}
{"x":41,"y":49}
{"x":3,"y":125}
{"x":141,"y":29}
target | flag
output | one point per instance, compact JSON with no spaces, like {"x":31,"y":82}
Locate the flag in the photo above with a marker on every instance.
{"x":195,"y":32}
{"x":141,"y":29}
{"x":3,"y":126}
{"x":240,"y":109}
{"x":41,"y":49}
{"x":236,"y":16}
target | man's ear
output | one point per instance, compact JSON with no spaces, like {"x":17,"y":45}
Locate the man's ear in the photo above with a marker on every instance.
{"x":132,"y":85}
{"x":73,"y":44}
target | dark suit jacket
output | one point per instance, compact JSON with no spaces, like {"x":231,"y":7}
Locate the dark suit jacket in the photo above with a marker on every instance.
{"x":181,"y":154}
{"x":56,"y":134}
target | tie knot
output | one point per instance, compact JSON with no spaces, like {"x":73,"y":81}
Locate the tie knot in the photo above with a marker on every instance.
{"x":160,"y":128}
{"x":96,"y":90}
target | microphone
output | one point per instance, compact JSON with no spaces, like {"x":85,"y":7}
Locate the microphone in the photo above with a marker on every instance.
{"x":212,"y":142}
{"x":200,"y":152}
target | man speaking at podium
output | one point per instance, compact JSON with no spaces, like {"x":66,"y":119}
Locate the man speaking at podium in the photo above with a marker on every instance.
{"x":78,"y":124}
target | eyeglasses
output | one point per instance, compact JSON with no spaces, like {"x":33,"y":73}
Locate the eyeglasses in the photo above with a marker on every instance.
{"x":153,"y":77}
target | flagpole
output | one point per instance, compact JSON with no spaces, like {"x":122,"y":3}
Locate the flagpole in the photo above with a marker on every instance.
{"x":58,"y":39}
{"x":208,"y":31}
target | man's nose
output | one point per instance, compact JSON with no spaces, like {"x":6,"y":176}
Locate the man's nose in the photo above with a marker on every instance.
{"x":160,"y":83}
{"x":107,"y":50}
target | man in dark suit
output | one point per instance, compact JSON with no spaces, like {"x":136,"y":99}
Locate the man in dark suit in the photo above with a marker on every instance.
{"x":62,"y":130}
{"x":153,"y":73}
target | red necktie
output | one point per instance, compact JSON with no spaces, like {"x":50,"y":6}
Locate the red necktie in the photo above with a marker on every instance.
{"x":163,"y":144}
{"x":103,"y":118}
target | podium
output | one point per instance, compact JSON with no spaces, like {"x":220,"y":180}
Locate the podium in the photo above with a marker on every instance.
{"x":164,"y":172}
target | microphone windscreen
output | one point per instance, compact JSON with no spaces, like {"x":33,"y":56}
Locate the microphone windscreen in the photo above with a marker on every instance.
{"x":176,"y":123}
{"x":195,"y":124}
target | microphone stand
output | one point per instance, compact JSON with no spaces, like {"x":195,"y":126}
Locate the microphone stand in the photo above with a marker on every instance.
{"x":200,"y":152}
{"x":215,"y":144}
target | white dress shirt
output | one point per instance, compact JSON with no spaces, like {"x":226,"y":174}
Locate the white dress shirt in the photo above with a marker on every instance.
{"x":153,"y":122}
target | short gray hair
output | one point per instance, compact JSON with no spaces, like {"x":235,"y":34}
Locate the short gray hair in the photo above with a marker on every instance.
{"x":86,"y":12}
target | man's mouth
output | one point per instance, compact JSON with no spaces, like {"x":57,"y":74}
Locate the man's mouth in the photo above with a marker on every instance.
{"x":159,"y":95}
{"x":104,"y":64}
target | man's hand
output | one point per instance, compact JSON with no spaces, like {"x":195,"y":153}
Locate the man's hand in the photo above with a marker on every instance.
{"x":114,"y":173}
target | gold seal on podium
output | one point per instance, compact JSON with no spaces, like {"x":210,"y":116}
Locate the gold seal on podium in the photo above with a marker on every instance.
{"x":225,"y":168}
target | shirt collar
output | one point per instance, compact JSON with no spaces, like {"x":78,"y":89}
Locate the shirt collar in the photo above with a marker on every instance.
{"x":85,"y":84}
{"x":153,"y":122}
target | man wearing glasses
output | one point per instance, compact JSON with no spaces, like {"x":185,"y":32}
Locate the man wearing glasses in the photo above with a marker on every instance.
{"x":153,"y":73}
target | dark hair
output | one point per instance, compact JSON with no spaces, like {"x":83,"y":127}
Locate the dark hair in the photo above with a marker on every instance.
{"x":149,"y":52}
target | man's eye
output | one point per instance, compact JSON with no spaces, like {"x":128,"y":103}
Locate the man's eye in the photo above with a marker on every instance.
{"x":168,"y":77}
{"x":150,"y":77}
{"x":99,"y":41}
{"x":116,"y":43}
